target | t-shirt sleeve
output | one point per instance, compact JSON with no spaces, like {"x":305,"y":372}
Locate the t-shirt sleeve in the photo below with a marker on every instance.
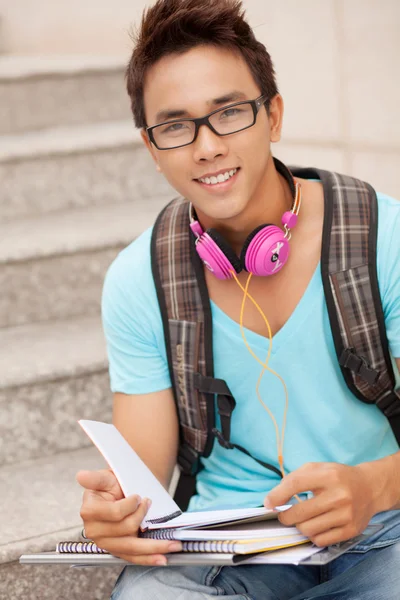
{"x":389,"y":272}
{"x":133,"y":327}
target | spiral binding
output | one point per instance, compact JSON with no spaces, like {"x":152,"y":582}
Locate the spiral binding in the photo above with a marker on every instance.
{"x":192,"y":546}
{"x":159,"y":534}
{"x":164,"y":519}
{"x":79,"y":548}
{"x":219,"y":546}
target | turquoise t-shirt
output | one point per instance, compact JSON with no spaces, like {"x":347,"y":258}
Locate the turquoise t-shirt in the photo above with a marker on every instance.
{"x":325,"y":421}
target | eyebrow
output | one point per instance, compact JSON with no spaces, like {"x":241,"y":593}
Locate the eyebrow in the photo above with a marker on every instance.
{"x":165,"y":115}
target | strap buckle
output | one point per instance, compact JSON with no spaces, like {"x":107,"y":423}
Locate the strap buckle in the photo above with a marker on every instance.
{"x":222,"y":441}
{"x":358,"y":365}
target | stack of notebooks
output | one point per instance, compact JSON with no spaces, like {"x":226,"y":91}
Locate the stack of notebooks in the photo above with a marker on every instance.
{"x":241,"y":539}
{"x":230,"y":536}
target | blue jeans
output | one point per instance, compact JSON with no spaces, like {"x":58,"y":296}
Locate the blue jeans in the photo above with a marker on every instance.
{"x":370,"y":571}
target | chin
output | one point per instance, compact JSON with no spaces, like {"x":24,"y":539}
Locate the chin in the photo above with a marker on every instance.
{"x":221,"y":209}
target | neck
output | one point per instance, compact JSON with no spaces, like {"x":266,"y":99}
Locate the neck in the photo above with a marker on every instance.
{"x":267,"y":205}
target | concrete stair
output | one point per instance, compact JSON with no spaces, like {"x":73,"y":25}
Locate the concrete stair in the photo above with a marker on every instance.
{"x":53,"y":374}
{"x":52,"y":91}
{"x":52,"y":267}
{"x":77,"y":185}
{"x":76,"y":167}
{"x":42,"y":502}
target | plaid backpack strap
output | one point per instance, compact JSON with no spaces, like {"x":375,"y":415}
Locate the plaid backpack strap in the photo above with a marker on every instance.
{"x":186,"y":315}
{"x":185,"y":308}
{"x":349,"y":274}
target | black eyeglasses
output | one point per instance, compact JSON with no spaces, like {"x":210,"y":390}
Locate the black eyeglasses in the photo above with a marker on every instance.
{"x":224,"y":121}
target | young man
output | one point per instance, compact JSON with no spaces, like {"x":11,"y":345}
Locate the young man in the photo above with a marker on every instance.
{"x":192,"y":58}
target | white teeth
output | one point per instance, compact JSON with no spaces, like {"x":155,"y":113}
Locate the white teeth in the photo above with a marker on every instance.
{"x":219,"y":178}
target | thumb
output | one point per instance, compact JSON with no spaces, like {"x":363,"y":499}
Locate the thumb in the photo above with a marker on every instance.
{"x":103,"y":480}
{"x":280,"y":494}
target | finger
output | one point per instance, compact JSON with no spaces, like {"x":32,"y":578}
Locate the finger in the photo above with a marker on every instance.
{"x":95,"y":508}
{"x":134,"y":546}
{"x":334,"y":536}
{"x":151,"y":560}
{"x":307,"y":509}
{"x":142,"y":511}
{"x":323,"y":524}
{"x":103,"y":480}
{"x":302,"y":480}
{"x":128,"y":526}
{"x":106,"y":529}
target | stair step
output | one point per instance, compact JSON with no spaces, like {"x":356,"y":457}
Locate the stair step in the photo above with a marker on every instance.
{"x":41,"y":582}
{"x":74,"y":231}
{"x":53,"y":267}
{"x":39,"y":92}
{"x":51,"y":375}
{"x":39,"y":353}
{"x":41,"y":501}
{"x":57,"y":141}
{"x":75,"y":167}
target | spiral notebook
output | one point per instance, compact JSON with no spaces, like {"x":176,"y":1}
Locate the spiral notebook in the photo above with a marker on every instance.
{"x":303,"y":554}
{"x":245,"y":538}
{"x":205,"y":546}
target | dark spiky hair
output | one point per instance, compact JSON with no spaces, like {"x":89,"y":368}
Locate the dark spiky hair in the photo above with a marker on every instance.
{"x":176,"y":26}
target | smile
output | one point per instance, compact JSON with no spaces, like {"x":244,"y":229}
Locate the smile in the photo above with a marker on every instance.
{"x":219,"y":183}
{"x":213,"y":180}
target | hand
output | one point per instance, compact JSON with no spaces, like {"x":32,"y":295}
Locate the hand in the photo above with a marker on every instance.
{"x":342,"y":506}
{"x":112,"y":521}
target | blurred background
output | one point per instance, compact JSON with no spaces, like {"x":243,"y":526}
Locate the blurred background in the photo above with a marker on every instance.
{"x":76,"y":186}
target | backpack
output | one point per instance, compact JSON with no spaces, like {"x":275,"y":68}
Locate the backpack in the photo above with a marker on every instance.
{"x":348,"y":268}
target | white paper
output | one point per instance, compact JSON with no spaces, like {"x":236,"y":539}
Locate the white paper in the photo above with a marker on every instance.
{"x":254,"y":531}
{"x":133,"y":475}
{"x":287,"y":556}
{"x":210,"y":517}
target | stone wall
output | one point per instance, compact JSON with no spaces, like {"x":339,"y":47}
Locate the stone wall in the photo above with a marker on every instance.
{"x":336,"y":60}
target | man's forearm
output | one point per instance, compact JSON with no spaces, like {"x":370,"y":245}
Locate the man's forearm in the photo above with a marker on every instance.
{"x":385,"y":479}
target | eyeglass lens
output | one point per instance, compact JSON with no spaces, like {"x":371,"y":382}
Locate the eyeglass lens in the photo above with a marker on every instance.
{"x":225,"y":121}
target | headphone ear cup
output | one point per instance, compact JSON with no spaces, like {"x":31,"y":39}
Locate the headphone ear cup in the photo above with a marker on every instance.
{"x":226,"y":249}
{"x":247,"y":243}
{"x":265,"y":251}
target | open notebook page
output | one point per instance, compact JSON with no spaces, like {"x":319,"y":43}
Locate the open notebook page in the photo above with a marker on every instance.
{"x":244,"y":531}
{"x":215,"y":517}
{"x":135,"y":477}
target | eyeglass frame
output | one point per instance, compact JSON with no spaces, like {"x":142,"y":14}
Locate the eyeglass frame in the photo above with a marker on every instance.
{"x":199,"y":121}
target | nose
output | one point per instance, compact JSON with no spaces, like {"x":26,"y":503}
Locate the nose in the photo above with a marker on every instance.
{"x":208,"y":145}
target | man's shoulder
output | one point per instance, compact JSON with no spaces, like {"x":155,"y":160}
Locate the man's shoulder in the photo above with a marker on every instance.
{"x":388,"y":216}
{"x":388,"y":246}
{"x":130,"y":271}
{"x":388,"y":203}
{"x":136,"y":256}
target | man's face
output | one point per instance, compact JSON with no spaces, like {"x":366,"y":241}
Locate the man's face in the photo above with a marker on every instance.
{"x":190,"y":82}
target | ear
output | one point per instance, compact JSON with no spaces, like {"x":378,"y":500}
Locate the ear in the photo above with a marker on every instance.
{"x":276,"y":109}
{"x":150,"y":148}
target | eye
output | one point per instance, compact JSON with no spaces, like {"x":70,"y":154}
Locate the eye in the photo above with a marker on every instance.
{"x":173,"y":128}
{"x":230,"y":112}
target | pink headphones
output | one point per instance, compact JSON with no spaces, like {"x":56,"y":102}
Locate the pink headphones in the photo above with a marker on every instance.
{"x":265,"y":250}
